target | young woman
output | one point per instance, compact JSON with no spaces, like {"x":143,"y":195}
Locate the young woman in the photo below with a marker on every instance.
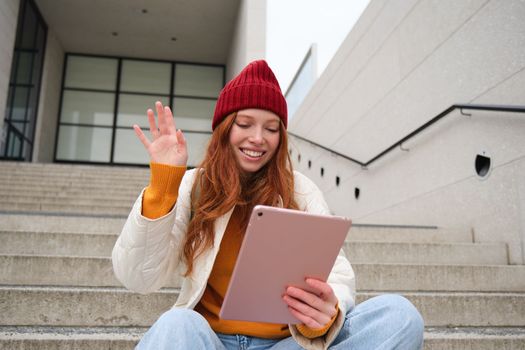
{"x":190,"y":224}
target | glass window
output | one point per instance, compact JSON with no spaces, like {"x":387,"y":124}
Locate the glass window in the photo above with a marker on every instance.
{"x":24,"y":82}
{"x":87,"y":120}
{"x":196,"y":80}
{"x":194,"y":107}
{"x":28,"y":130}
{"x":18,"y":126}
{"x":85,"y":107}
{"x":15,"y":146}
{"x":12,"y":76}
{"x":141,"y":76}
{"x":9,"y":106}
{"x":129,"y":149}
{"x":20,"y":102}
{"x":91,"y":72}
{"x":25,"y":65}
{"x":198,"y":143}
{"x":27,"y":37}
{"x":39,"y":54}
{"x":84,"y":143}
{"x":132,"y":109}
{"x":304,"y":80}
{"x":194,"y":124}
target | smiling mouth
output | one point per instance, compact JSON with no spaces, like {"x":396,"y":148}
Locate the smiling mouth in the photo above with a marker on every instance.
{"x":252,"y":154}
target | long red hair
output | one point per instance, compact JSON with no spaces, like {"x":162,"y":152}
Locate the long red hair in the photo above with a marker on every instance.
{"x":220,"y":185}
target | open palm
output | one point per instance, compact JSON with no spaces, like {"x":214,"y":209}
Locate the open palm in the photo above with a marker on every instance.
{"x":168,"y":145}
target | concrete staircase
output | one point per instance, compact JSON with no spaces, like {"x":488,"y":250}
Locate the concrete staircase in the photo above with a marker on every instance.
{"x":58,"y":224}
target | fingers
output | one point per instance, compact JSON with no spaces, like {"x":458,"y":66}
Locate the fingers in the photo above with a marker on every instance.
{"x":311,"y":317}
{"x":313,"y":301}
{"x":322,"y":289}
{"x":152,"y":126}
{"x":170,"y":122}
{"x":141,"y":136}
{"x":180,"y":138}
{"x":314,"y":308}
{"x":160,"y":116}
{"x":166,"y":122}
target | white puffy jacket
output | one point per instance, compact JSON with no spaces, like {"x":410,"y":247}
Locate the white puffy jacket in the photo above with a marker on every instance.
{"x":147,"y":253}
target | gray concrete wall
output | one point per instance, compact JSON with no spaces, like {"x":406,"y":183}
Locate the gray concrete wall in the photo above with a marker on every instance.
{"x":8,"y":21}
{"x":249,"y":38}
{"x":404,"y":62}
{"x":46,"y":125}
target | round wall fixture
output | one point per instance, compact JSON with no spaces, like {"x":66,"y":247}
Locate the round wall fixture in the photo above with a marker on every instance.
{"x":482,"y":164}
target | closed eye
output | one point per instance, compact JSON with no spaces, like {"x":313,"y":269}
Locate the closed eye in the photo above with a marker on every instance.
{"x":243,"y":126}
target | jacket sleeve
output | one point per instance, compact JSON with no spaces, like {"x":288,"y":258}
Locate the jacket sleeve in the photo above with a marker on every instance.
{"x":147,"y":252}
{"x":341,"y":278}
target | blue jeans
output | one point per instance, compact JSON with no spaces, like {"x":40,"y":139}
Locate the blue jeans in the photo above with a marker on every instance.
{"x":384,"y":322}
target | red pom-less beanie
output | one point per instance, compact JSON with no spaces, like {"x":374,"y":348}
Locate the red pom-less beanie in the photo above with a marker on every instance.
{"x":254,"y":87}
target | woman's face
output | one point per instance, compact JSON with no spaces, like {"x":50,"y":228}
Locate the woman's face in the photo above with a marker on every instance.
{"x":254,"y":138}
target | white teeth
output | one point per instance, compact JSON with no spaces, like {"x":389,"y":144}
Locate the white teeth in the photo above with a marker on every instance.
{"x":252,"y":153}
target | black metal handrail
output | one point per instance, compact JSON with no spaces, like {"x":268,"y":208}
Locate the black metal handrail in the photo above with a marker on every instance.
{"x":461,"y":107}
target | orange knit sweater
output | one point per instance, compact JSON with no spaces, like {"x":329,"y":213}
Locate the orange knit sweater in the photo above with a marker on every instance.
{"x":159,"y":198}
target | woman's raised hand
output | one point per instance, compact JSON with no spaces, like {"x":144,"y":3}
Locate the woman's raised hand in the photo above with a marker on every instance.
{"x":313,"y":309}
{"x":168,"y":145}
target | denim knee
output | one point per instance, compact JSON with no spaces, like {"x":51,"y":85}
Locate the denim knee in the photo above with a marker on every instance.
{"x":185,"y":318}
{"x":179,"y":329}
{"x":404,"y":313}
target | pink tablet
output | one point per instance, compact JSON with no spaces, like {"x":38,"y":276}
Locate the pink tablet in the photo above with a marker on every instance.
{"x":281,"y":247}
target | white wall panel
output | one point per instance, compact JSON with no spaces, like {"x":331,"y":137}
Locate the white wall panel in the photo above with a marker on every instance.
{"x":405,"y":62}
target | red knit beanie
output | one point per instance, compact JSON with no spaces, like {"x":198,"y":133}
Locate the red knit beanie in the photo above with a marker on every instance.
{"x":254,"y":87}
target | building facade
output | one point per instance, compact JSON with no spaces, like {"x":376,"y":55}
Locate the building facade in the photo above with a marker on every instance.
{"x":79,"y":77}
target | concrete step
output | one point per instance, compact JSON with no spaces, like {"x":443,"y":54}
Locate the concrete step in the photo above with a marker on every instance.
{"x":98,"y":271}
{"x":97,"y":307}
{"x":99,"y":209}
{"x":117,"y":338}
{"x":408,"y":234}
{"x":86,"y":199}
{"x":75,"y":185}
{"x":68,"y":338}
{"x":60,"y":271}
{"x":57,"y":244}
{"x":35,"y":176}
{"x":68,"y":306}
{"x":73,"y":244}
{"x":68,"y":192}
{"x":460,"y":278}
{"x":428,"y":253}
{"x":80,"y":224}
{"x":35,"y":222}
{"x":51,"y":171}
{"x":479,"y":338}
{"x":57,"y":168}
{"x":72,"y":178}
{"x":465,"y":309}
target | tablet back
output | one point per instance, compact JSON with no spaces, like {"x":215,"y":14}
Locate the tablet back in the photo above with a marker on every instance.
{"x":281,"y":248}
